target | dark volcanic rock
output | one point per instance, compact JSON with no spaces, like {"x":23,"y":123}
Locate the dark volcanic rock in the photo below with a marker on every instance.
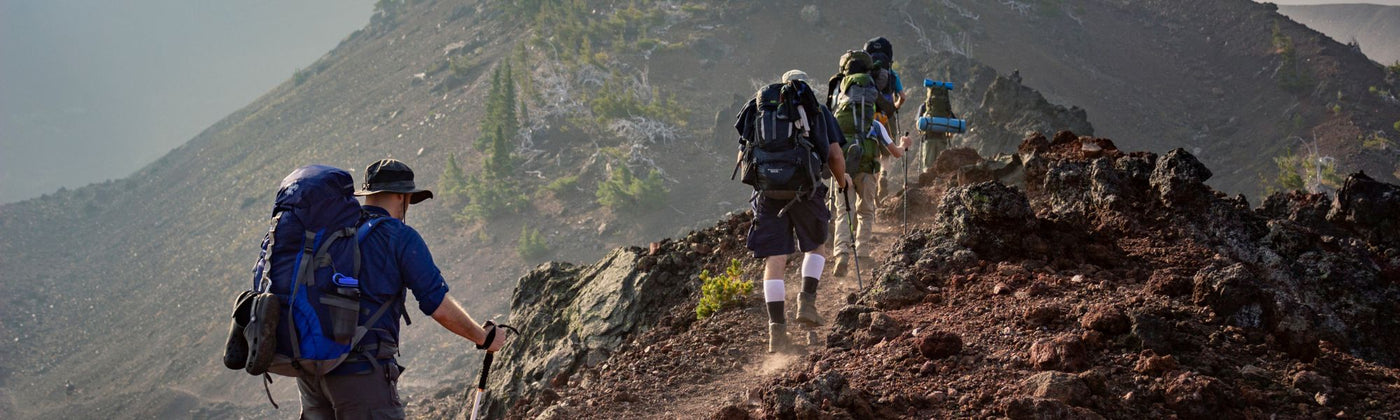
{"x":1180,"y":180}
{"x":989,"y":218}
{"x":1227,"y":289}
{"x":1152,"y":332}
{"x":1370,"y":209}
{"x":939,"y":344}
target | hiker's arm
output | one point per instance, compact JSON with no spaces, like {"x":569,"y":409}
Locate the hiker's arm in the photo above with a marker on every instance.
{"x":837,"y":162}
{"x":452,"y":317}
{"x":899,"y":99}
{"x":884,"y":139}
{"x":422,"y":276}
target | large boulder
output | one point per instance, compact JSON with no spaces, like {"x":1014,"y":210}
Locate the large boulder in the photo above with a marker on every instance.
{"x":1179,"y":179}
{"x":1369,"y":208}
{"x":989,"y":218}
{"x":574,"y":316}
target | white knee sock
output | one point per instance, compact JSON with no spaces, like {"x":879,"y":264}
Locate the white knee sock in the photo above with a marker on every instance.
{"x":812,"y":265}
{"x":774,"y":294}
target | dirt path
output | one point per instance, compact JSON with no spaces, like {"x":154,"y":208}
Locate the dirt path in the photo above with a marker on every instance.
{"x":684,"y":368}
{"x":696,"y":372}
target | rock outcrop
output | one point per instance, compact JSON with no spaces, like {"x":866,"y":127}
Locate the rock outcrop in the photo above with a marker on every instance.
{"x":575,"y":317}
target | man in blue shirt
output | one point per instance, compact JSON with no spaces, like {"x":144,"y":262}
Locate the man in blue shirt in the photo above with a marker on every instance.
{"x":394,"y":260}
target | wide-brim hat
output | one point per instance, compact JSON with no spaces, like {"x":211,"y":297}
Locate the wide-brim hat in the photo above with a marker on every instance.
{"x":794,"y":74}
{"x":392,"y":175}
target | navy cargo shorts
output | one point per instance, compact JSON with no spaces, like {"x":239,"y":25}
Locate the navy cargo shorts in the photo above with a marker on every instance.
{"x":806,"y":221}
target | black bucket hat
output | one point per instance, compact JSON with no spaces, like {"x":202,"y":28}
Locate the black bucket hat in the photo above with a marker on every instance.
{"x":391,"y":175}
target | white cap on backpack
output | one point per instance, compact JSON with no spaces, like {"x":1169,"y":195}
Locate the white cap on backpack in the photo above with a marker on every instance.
{"x":794,"y":74}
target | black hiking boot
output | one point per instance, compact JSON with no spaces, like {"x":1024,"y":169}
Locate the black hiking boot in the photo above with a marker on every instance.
{"x":236,"y":349}
{"x":262,"y":332}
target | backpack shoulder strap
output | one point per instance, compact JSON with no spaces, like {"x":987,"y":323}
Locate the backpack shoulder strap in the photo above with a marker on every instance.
{"x":360,"y":234}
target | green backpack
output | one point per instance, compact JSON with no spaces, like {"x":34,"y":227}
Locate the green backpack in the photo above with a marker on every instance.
{"x":855,"y":112}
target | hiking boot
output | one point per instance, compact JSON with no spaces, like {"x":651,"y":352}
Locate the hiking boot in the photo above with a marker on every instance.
{"x":842,"y":264}
{"x":807,"y":309}
{"x":261,"y":332}
{"x":777,"y":338}
{"x":236,"y":349}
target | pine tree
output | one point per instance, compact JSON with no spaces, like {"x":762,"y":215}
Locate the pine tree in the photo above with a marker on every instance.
{"x":453,"y":181}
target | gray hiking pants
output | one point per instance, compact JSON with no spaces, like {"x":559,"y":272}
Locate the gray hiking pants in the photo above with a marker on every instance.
{"x":373,"y":395}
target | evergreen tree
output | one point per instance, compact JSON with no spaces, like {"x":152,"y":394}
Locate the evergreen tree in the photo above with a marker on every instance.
{"x":453,"y":181}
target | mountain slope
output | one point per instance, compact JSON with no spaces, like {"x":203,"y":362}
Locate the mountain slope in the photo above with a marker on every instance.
{"x":122,"y":288}
{"x":1375,"y":28}
{"x":1117,"y":286}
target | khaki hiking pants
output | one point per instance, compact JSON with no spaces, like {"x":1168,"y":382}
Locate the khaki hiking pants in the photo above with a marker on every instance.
{"x":863,"y":192}
{"x":933,"y":145}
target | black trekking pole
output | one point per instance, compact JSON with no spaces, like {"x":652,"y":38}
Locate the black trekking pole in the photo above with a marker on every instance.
{"x":486,"y":365}
{"x":845,"y":192}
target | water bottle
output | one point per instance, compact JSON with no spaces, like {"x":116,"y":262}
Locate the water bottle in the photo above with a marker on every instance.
{"x":343,"y":307}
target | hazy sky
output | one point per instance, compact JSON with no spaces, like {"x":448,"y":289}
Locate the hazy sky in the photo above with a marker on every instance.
{"x":92,"y":90}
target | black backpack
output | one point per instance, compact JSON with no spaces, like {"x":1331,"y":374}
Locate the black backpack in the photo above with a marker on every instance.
{"x":884,"y":78}
{"x":779,"y":138}
{"x":880,"y":45}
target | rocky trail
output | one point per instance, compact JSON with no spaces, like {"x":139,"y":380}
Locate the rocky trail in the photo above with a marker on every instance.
{"x":1104,"y":285}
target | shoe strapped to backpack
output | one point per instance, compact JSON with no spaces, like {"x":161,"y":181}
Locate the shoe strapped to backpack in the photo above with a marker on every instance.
{"x":261,"y":332}
{"x":236,"y":349}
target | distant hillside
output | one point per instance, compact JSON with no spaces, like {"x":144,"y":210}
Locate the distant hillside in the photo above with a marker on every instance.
{"x":1376,"y":28}
{"x":122,"y":288}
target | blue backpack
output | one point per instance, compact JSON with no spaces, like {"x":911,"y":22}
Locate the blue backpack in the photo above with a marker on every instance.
{"x":308,"y":273}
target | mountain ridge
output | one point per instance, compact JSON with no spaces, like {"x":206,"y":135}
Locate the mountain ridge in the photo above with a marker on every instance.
{"x":114,"y":256}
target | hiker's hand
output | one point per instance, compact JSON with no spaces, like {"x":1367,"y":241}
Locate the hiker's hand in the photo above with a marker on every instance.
{"x":497,"y":340}
{"x":843,"y":181}
{"x":905,"y":141}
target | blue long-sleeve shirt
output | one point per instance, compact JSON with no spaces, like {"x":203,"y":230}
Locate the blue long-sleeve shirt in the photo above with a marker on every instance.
{"x":393,"y":260}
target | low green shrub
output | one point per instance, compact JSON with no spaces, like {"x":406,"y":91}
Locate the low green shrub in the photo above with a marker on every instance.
{"x":624,"y":191}
{"x":722,"y":291}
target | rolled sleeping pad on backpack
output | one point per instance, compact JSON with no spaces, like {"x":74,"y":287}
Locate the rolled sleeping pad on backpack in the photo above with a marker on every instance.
{"x":942,"y":125}
{"x":931,"y":83}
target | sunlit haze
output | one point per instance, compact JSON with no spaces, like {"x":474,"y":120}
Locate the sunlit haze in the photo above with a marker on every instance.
{"x":94,"y":90}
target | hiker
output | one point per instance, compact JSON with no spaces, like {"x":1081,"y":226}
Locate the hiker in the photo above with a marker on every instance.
{"x":394,"y":259}
{"x":891,"y":88}
{"x":785,"y":142}
{"x":857,"y":101}
{"x":938,"y":104}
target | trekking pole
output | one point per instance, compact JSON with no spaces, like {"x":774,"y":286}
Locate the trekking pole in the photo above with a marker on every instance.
{"x":905,"y":199}
{"x":486,"y":367}
{"x":845,"y":192}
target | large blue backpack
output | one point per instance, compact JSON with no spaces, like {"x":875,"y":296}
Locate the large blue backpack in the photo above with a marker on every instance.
{"x":310,"y":262}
